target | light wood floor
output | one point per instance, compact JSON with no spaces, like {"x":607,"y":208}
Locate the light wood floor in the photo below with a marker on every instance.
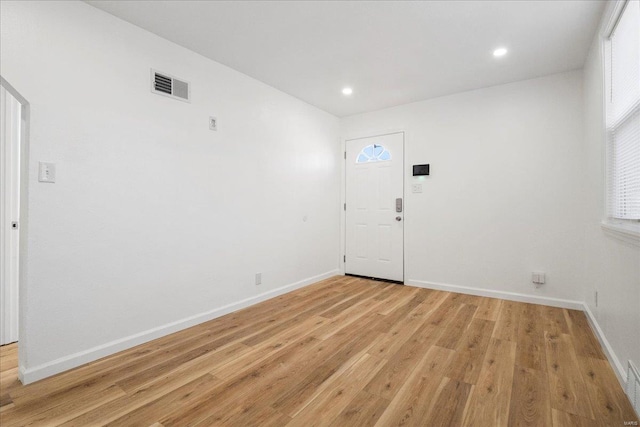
{"x":343,"y":352}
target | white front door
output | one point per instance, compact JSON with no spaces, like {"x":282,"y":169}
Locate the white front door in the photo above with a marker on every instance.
{"x":375,"y":207}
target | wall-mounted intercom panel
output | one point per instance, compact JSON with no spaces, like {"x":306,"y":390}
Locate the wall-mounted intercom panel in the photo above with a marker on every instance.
{"x":420,"y":170}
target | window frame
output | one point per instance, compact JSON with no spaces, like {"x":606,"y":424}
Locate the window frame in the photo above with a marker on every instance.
{"x":621,"y":228}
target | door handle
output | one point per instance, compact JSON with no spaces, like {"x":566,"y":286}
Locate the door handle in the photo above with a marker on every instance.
{"x":398,"y":218}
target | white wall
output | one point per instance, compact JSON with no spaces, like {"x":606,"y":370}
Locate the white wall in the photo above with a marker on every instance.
{"x":612,"y":265}
{"x":155,"y":219}
{"x":505,"y":194}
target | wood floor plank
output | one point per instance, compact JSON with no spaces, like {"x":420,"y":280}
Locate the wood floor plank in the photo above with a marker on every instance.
{"x":8,"y":382}
{"x":366,"y":308}
{"x":249,"y":402}
{"x":387,"y":292}
{"x":8,"y":356}
{"x":393,"y":375}
{"x":135,"y":411}
{"x":455,"y":330}
{"x":530,"y":402}
{"x":402,"y":331}
{"x":470,"y":352}
{"x":565,"y":419}
{"x":489,"y":309}
{"x":450,"y":402}
{"x":91,"y":391}
{"x":251,"y":414}
{"x":554,"y":320}
{"x":608,"y":401}
{"x":343,"y":351}
{"x":327,"y":405}
{"x":586,"y":344}
{"x":346,"y":303}
{"x":530,"y":352}
{"x":194,"y":363}
{"x":363,"y":410}
{"x":257,"y":354}
{"x":390,"y":320}
{"x":459,"y":298}
{"x":5,"y":401}
{"x":229,"y":392}
{"x":293,"y":399}
{"x":490,"y":398}
{"x":58,"y":415}
{"x":413,"y":402}
{"x":64,"y":411}
{"x":194,"y":370}
{"x":401,"y":295}
{"x":567,"y":388}
{"x":279,"y":327}
{"x":507,"y":323}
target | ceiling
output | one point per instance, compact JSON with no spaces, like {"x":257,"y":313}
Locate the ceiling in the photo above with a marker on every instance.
{"x":390,"y":53}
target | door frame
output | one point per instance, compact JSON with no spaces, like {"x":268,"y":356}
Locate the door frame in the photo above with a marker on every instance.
{"x":343,"y":193}
{"x":23,"y":221}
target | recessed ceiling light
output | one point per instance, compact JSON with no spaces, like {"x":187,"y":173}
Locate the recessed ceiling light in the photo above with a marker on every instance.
{"x":501,"y":51}
{"x":347,"y":91}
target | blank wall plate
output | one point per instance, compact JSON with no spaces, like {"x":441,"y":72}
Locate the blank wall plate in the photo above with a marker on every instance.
{"x":258,"y":279}
{"x":47,"y":172}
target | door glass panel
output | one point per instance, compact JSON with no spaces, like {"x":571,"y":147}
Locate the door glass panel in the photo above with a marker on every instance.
{"x":373,"y":153}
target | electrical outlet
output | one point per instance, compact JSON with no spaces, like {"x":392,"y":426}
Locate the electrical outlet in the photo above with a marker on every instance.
{"x":416,"y":188}
{"x":213,"y":123}
{"x":538,"y":278}
{"x":258,"y":279}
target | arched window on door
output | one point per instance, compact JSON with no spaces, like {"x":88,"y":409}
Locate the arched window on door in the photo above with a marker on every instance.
{"x":373,"y":153}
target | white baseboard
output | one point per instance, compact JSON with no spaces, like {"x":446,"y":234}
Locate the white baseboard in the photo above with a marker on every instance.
{"x":618,"y":367}
{"x":511,"y":296}
{"x":29,"y":375}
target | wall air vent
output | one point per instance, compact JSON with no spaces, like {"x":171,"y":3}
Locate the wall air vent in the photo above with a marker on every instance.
{"x":633,"y":386}
{"x":167,"y":85}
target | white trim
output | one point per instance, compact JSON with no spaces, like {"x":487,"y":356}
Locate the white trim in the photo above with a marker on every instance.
{"x":25,"y":135}
{"x":611,"y":355}
{"x":11,"y":140}
{"x":610,"y":17}
{"x":29,"y":375}
{"x":511,"y":296}
{"x":370,"y":134}
{"x":629,"y":233}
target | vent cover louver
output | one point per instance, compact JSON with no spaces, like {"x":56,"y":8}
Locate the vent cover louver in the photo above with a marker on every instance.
{"x":163,"y":83}
{"x":167,"y":85}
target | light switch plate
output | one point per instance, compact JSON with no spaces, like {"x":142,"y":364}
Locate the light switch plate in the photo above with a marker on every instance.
{"x":47,"y":172}
{"x":213,"y":123}
{"x":416,"y":188}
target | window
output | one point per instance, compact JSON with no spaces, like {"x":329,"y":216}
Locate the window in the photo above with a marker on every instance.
{"x":373,"y":153}
{"x":622,"y":76}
